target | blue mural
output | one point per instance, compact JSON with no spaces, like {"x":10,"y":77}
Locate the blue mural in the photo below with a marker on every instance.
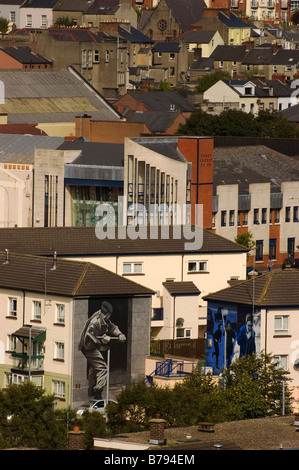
{"x":232,"y":331}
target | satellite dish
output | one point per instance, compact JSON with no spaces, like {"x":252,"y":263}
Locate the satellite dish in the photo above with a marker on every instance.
{"x":296,"y":363}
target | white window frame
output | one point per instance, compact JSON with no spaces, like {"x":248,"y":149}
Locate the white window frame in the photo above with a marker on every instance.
{"x":12,"y":309}
{"x":59,"y":351}
{"x":89,"y":58}
{"x":59,"y":388}
{"x":44,"y":21}
{"x":186,"y":333}
{"x":96,"y":56}
{"x":281,"y":360}
{"x":12,"y":16}
{"x":132,"y":267}
{"x":29,"y":21}
{"x":200,"y":266}
{"x":281,"y":324}
{"x":83,"y":58}
{"x":11,"y":343}
{"x":107,"y":56}
{"x":37,"y":310}
{"x":60,"y":314}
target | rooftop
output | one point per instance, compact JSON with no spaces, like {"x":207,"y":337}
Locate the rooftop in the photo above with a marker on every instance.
{"x":272,"y":289}
{"x":35,"y":96}
{"x":253,"y":164}
{"x":83,"y":241}
{"x":69,"y":278}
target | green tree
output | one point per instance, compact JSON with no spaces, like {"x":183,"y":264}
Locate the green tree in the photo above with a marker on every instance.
{"x":246,"y":240}
{"x":208,"y":80}
{"x":3,"y":25}
{"x":253,"y":384}
{"x":65,"y":21}
{"x":28,"y":419}
{"x":238,"y":123}
{"x":295,"y":17}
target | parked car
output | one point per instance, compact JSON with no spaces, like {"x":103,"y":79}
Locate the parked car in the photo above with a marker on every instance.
{"x":94,"y":405}
{"x":290,"y":263}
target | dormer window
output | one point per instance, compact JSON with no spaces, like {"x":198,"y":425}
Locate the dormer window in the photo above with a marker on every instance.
{"x":248,"y":90}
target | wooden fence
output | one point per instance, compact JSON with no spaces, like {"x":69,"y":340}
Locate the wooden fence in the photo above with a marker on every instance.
{"x":187,"y":348}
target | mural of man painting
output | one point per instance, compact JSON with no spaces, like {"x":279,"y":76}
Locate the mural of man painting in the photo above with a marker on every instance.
{"x":246,"y":337}
{"x":95,"y":337}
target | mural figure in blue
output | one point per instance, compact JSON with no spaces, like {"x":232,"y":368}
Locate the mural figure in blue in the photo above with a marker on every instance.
{"x":246,"y":337}
{"x":231,"y":334}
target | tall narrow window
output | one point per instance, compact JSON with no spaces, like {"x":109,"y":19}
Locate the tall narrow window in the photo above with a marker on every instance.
{"x":272,"y":248}
{"x":259,"y":250}
{"x":37,"y":310}
{"x":46,"y":207}
{"x":12,"y":307}
{"x":256,"y":216}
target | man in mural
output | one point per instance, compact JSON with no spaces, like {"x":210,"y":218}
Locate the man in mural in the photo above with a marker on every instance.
{"x":217,"y":340}
{"x":230,"y":340}
{"x":97,"y":333}
{"x":246,"y":337}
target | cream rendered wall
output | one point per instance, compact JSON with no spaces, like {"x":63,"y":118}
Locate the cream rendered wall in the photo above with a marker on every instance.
{"x":58,"y":369}
{"x":169,"y":166}
{"x":285,"y":345}
{"x":227,"y":200}
{"x":159,"y":268}
{"x":175,"y":307}
{"x":221,"y":93}
{"x":207,"y":49}
{"x":15,"y":195}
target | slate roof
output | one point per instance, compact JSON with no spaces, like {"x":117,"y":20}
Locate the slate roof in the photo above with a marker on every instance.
{"x":96,"y":153}
{"x":258,"y":56}
{"x":186,"y":12}
{"x":203,"y":63}
{"x":39,"y":4}
{"x":74,"y":35}
{"x":232,"y":21}
{"x":103,"y":7}
{"x":161,"y":101}
{"x":71,"y":5}
{"x":285,"y":57}
{"x":82,"y":241}
{"x":199,"y":37}
{"x":134,"y":36}
{"x":155,"y":121}
{"x":35,"y":96}
{"x":26,"y":144}
{"x":25,"y":56}
{"x":70,"y":278}
{"x":292,"y":113}
{"x":272,"y":289}
{"x":165,"y":146}
{"x":253,"y":164}
{"x":181,"y":288}
{"x":168,"y":46}
{"x":229,"y":53}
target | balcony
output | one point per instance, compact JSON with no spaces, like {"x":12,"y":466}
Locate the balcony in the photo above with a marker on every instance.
{"x":254,"y":4}
{"x":22,"y":362}
{"x":29,"y":354}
